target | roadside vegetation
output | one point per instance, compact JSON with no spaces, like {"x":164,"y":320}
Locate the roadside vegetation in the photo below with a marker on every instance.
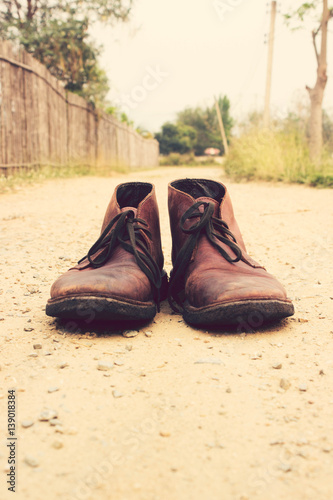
{"x":57,"y":34}
{"x":43,"y":173}
{"x":195,"y":129}
{"x":281,"y":153}
{"x":187,"y":160}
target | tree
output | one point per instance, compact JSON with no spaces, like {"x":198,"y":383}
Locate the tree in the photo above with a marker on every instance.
{"x":176,"y":138}
{"x":205,"y":123}
{"x":56,"y":33}
{"x":316,"y":93}
{"x":65,"y":49}
{"x":18,"y":14}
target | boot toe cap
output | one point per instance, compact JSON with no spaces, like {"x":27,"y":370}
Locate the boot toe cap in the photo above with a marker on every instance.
{"x":214,"y":287}
{"x":124,"y":283}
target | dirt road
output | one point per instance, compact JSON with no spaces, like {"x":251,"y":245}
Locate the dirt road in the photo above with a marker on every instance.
{"x":183,"y":414}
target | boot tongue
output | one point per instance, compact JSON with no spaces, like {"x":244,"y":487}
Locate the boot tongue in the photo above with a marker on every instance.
{"x":134,"y":210}
{"x":206,"y":199}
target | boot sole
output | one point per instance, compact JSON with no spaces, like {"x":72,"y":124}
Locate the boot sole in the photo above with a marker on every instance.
{"x":247,"y":314}
{"x":89,"y":308}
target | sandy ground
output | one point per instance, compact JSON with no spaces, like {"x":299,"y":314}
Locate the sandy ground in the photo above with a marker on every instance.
{"x":183,"y":413}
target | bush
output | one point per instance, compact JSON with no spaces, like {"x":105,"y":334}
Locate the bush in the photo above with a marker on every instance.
{"x":174,"y":159}
{"x":276,"y":155}
{"x":171,"y":159}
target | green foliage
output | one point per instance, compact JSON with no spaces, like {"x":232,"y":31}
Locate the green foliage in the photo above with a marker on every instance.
{"x":65,"y":49}
{"x":56,"y":33}
{"x":195,"y":130}
{"x":295,"y":18}
{"x":145,"y":133}
{"x":175,"y":159}
{"x":328,"y":131}
{"x":111,"y":110}
{"x":124,"y":119}
{"x":276,"y":155}
{"x":176,"y":138}
{"x":16,"y":14}
{"x":300,"y":13}
{"x":37,"y":175}
{"x":205,"y":123}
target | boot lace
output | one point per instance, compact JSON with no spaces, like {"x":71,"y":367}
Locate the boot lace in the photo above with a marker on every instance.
{"x":127,"y":232}
{"x":214,"y":229}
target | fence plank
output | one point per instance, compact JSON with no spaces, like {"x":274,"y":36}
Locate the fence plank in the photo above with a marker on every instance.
{"x":42,"y":123}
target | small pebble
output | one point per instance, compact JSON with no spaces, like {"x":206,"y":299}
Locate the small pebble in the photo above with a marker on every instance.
{"x":164,"y":433}
{"x":215,"y":445}
{"x":72,"y":431}
{"x":62,"y":365}
{"x":104,"y":366}
{"x":117,"y":394}
{"x":27,"y":423}
{"x":303,"y":387}
{"x":285,"y":467}
{"x":208,"y":361}
{"x":28,"y":329}
{"x":57,"y":445}
{"x":53,"y":389}
{"x":277,"y":366}
{"x":33,"y":355}
{"x":47,"y":415}
{"x":130,"y":333}
{"x":31,"y":461}
{"x":276,"y":442}
{"x":55,"y":421}
{"x":302,"y":442}
{"x":37,"y":346}
{"x":128,"y":347}
{"x":148,"y":334}
{"x":284,"y":384}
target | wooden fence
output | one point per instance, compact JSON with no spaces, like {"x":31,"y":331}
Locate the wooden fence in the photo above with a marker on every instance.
{"x":43,"y":124}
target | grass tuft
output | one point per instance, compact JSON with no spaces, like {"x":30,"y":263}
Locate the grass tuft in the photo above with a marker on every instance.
{"x":33,"y":175}
{"x":175,"y":159}
{"x":276,"y":156}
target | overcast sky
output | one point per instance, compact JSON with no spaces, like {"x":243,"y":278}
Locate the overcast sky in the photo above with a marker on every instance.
{"x":179,"y":53}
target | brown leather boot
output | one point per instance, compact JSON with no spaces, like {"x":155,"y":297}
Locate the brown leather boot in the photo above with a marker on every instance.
{"x":121,"y":277}
{"x":214,"y":281}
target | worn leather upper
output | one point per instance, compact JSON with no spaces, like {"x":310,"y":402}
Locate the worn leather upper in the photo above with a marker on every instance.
{"x":120,"y":277}
{"x":210,"y":278}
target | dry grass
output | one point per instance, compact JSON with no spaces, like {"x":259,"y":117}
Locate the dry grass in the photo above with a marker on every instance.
{"x":276,"y":156}
{"x":40,"y":174}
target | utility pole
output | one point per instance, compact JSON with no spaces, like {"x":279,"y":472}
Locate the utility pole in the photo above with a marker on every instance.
{"x":269,"y":65}
{"x":224,"y":138}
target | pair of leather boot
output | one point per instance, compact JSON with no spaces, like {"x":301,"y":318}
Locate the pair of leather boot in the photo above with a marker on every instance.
{"x":213,"y":280}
